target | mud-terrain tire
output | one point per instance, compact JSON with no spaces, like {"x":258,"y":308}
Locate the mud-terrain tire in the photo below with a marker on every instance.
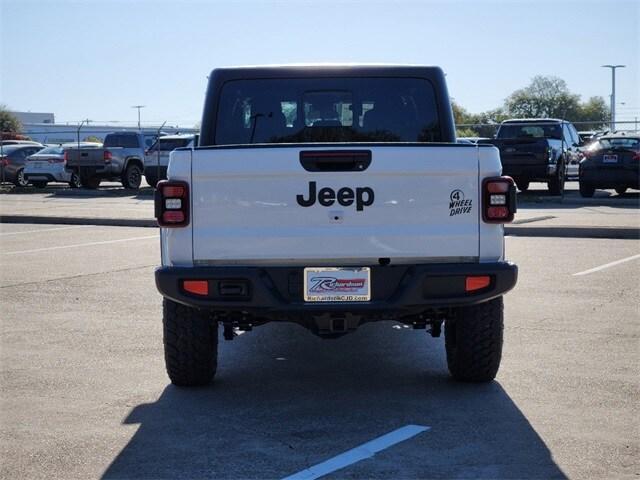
{"x":586,"y":190}
{"x":151,"y":179}
{"x":473,"y":341}
{"x":132,"y":177}
{"x":92,"y":183}
{"x":190,"y":344}
{"x":556,"y":184}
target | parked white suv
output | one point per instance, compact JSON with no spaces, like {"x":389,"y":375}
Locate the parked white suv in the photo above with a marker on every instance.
{"x":156,"y":158}
{"x":330,"y":197}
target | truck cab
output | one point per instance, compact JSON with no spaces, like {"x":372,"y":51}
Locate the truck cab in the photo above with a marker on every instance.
{"x":120,"y":159}
{"x":331,"y":197}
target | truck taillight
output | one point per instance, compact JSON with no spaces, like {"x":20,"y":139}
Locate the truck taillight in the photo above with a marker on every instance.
{"x":107,"y":156}
{"x":66,"y":156}
{"x":498,"y":200}
{"x":172,"y":203}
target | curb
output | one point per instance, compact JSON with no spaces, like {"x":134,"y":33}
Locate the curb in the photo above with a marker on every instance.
{"x":107,"y":222}
{"x":565,"y":231}
{"x":558,"y":231}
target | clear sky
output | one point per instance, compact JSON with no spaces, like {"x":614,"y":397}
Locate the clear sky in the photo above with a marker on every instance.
{"x":95,"y":59}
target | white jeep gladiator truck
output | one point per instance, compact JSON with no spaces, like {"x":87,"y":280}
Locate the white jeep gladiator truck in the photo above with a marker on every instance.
{"x":331,"y":196}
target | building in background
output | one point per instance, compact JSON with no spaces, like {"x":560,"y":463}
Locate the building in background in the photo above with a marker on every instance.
{"x":34,"y":117}
{"x":42,"y":128}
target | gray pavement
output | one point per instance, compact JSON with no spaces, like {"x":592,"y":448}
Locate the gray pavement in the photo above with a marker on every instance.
{"x":84,"y":393}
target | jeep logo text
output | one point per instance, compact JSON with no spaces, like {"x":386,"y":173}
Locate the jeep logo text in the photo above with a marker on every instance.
{"x":362,"y":196}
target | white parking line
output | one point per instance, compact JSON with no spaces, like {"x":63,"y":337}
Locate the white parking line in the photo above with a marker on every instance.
{"x":607,"y":265}
{"x":2,"y":234}
{"x":105,"y":242}
{"x":364,"y":451}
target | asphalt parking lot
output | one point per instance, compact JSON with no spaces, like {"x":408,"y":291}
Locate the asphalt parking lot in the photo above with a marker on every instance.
{"x":85,"y":395}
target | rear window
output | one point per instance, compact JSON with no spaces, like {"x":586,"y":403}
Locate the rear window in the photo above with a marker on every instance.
{"x":117,"y":140}
{"x":549,"y":130}
{"x":169,"y":144}
{"x":327,"y":110}
{"x":618,"y":143}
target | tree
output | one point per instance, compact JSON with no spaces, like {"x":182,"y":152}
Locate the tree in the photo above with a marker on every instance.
{"x":93,"y":138}
{"x":594,"y":111}
{"x":543,"y":97}
{"x":9,"y":123}
{"x":462,"y":118}
{"x":476,"y":124}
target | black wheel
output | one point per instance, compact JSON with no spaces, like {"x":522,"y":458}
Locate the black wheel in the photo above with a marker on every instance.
{"x":151,"y":179}
{"x":20,"y":181}
{"x":132,"y":177}
{"x":75,"y":182}
{"x":556,"y":184}
{"x":523,"y":185}
{"x":40,"y":184}
{"x":190,"y":344}
{"x":587,"y":190}
{"x":90,"y":182}
{"x":473,"y":340}
{"x":621,"y":190}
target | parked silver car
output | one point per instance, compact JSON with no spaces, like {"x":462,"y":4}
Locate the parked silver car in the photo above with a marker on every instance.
{"x":48,"y":165}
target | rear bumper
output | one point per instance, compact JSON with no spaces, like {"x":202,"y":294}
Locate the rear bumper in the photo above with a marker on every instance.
{"x":89,"y":171}
{"x":532,"y":172}
{"x":48,"y":176}
{"x":276,"y":293}
{"x":610,"y":177}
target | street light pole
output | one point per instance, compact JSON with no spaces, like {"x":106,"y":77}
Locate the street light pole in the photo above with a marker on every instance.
{"x":138,"y":107}
{"x":613,"y":93}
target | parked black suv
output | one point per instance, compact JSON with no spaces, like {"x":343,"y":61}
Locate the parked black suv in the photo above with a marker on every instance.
{"x":537,"y":150}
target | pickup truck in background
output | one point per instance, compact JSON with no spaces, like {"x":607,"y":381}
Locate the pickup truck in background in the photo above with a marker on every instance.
{"x":332,"y":196}
{"x":121,"y":159}
{"x":156,"y":159}
{"x":538,"y":150}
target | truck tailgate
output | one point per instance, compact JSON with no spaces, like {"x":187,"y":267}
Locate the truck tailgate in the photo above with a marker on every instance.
{"x":90,"y":157}
{"x":522,"y":151}
{"x":417,"y":202}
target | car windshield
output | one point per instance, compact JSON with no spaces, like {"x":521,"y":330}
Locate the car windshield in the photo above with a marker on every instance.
{"x":538,"y":130}
{"x":51,"y":151}
{"x":327,"y":110}
{"x":619,"y":144}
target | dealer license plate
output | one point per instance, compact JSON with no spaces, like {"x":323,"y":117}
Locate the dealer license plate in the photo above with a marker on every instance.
{"x":324,"y":284}
{"x":610,"y":159}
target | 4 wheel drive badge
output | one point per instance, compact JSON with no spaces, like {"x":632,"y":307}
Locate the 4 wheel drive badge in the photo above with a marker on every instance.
{"x":458,"y":204}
